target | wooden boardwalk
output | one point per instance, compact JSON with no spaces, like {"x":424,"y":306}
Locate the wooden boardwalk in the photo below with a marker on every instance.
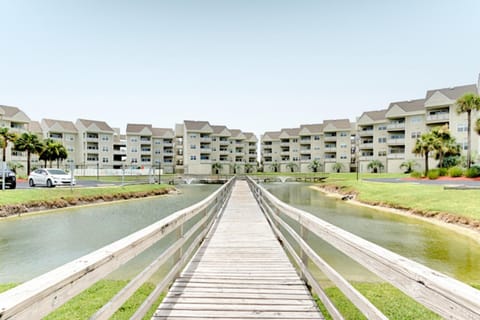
{"x":240,"y":272}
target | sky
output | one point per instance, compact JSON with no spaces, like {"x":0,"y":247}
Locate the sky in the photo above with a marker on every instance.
{"x":254,"y":65}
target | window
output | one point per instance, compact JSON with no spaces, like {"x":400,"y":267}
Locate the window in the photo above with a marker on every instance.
{"x":382,"y":140}
{"x":382,"y":128}
{"x":316,"y":148}
{"x":343,"y":145}
{"x":134,"y":149}
{"x":134,"y":160}
{"x":193,"y":158}
{"x":193,"y":136}
{"x":157,"y":142}
{"x":462,"y":127}
{"x":416,"y":134}
{"x":294,"y":140}
{"x":416,"y":119}
{"x":343,"y":156}
{"x":105,"y":138}
{"x":105,"y":160}
{"x":70,"y":149}
{"x":382,"y":153}
{"x":193,"y":146}
{"x":157,"y":151}
{"x":316,"y":138}
{"x":105,"y":149}
{"x":343,"y":134}
{"x":133,"y":139}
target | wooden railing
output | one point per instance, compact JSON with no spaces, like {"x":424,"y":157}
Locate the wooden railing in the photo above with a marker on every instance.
{"x":42,"y":295}
{"x":443,"y":295}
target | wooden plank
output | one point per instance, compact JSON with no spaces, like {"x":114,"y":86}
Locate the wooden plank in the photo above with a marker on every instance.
{"x":240,"y":272}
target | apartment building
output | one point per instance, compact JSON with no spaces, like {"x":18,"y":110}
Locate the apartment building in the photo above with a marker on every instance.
{"x":18,"y":122}
{"x":200,"y":145}
{"x":95,"y":144}
{"x":64,"y":132}
{"x":330,"y":143}
{"x":119,"y":149}
{"x":150,"y":147}
{"x":372,"y":138}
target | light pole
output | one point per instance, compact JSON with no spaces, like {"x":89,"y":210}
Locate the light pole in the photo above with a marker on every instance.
{"x":159,"y":172}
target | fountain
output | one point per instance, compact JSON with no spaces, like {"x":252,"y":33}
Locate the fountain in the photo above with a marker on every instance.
{"x":283,"y":179}
{"x":188,"y":180}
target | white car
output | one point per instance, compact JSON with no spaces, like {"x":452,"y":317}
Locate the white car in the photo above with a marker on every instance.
{"x":49,"y":178}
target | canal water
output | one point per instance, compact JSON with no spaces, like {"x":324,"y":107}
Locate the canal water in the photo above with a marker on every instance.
{"x":33,"y":245}
{"x":439,"y":248}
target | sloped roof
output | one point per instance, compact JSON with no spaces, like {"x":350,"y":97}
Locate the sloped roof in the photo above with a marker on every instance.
{"x":68,"y":126}
{"x":136,"y":127}
{"x":377,"y":115}
{"x":339,"y":124}
{"x":454,"y":92}
{"x":35,"y":127}
{"x":236,"y":133}
{"x":163,"y":132}
{"x":410,"y":105}
{"x":271,"y":135}
{"x":250,"y":136}
{"x":312,"y":128}
{"x":11,"y":112}
{"x":292,"y":132}
{"x":195,"y":125}
{"x":102,"y":125}
{"x":220,"y":129}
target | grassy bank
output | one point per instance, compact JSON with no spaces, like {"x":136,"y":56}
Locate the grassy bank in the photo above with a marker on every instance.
{"x":428,"y":200}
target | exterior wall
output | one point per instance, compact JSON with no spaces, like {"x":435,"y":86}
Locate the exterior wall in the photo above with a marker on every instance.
{"x":197,"y":153}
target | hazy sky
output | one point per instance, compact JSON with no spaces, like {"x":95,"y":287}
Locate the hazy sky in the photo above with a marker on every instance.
{"x":249,"y":64}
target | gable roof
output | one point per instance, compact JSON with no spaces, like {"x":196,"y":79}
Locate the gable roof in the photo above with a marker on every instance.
{"x":67,"y":126}
{"x":163,"y":132}
{"x":101,"y":125}
{"x":410,"y":105}
{"x":339,"y":124}
{"x":35,"y":127}
{"x":377,"y":115}
{"x":197,"y":126}
{"x":13,"y":113}
{"x":271,"y":135}
{"x":221,"y":129}
{"x":291,"y":132}
{"x":138,"y":128}
{"x":250,"y":136}
{"x":454,"y":92}
{"x":311,"y":128}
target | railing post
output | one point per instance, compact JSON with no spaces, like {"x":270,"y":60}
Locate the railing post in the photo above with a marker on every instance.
{"x":179,"y":235}
{"x":303,"y":254}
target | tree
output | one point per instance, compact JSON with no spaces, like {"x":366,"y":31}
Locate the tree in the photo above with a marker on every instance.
{"x":444,"y":144}
{"x":5,"y":137}
{"x":275,"y":166}
{"x":408,"y":165}
{"x":14,"y":166}
{"x":375,"y":166}
{"x":53,"y":151}
{"x":236,"y":168}
{"x":216,"y":167}
{"x":248,"y":167}
{"x":477,"y":126}
{"x":423,"y":146}
{"x":466,"y":104}
{"x":315,"y":165}
{"x":337,"y":167}
{"x":292,"y":166}
{"x":30,"y":143}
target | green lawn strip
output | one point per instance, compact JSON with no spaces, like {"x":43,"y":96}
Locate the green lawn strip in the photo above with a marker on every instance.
{"x":88,"y":302}
{"x":426,"y":198}
{"x":23,"y":196}
{"x":388,"y":299}
{"x":126,"y":178}
{"x":7,"y":286}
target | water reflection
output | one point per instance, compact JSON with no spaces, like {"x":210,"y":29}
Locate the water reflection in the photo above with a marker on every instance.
{"x":30,"y":246}
{"x":438,"y":248}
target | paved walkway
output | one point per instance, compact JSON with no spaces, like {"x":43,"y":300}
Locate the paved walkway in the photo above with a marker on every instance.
{"x":240,"y":272}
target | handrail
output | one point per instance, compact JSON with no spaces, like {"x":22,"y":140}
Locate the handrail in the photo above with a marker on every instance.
{"x":42,"y":295}
{"x":446,"y":296}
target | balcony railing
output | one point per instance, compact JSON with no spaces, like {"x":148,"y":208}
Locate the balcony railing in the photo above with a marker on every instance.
{"x":396,"y":126}
{"x":438,"y":117}
{"x":396,"y":155}
{"x":396,"y":141}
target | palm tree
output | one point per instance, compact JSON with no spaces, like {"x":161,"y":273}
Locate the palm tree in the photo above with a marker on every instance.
{"x":423,"y":146}
{"x":216,"y":167}
{"x":315,"y":165}
{"x":5,"y":138}
{"x":337,"y":167}
{"x":375,"y":166}
{"x":275,"y":166}
{"x":29,"y":142}
{"x":466,"y":104}
{"x":292,"y":166}
{"x":14,"y":166}
{"x":444,"y":144}
{"x":408,"y":165}
{"x":53,"y":151}
{"x":248,"y":167}
{"x":477,"y":126}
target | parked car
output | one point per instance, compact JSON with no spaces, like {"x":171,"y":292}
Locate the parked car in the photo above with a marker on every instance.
{"x":49,"y":178}
{"x":10,"y":179}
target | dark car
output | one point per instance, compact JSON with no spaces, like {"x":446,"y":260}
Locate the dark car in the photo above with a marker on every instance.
{"x":10,"y":179}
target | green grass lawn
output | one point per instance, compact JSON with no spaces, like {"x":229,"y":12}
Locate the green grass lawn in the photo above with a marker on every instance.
{"x":127,"y":178}
{"x":19,"y":196}
{"x":427,"y":198}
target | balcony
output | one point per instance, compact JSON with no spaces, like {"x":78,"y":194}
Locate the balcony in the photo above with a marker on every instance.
{"x":205,"y":139}
{"x":285,"y":153}
{"x":368,"y":145}
{"x":334,"y":159}
{"x":365,"y":133}
{"x":366,"y":158}
{"x":330,"y":149}
{"x":438,"y":117}
{"x":396,"y":155}
{"x":330,"y":138}
{"x":396,"y":126}
{"x":397,"y":141}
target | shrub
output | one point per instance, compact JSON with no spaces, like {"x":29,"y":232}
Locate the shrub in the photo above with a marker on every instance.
{"x":433,"y":174}
{"x":416,"y":174}
{"x":473,"y":172}
{"x":442,"y":172}
{"x":455,"y":172}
